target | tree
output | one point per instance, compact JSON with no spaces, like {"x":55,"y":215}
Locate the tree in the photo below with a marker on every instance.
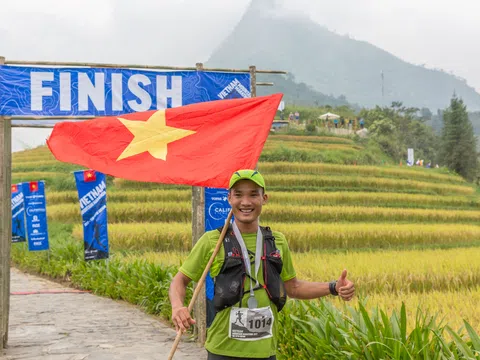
{"x":426,"y":114}
{"x":459,"y":145}
{"x":396,"y":128}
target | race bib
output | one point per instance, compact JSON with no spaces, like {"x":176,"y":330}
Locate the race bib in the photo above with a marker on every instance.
{"x":250,"y":324}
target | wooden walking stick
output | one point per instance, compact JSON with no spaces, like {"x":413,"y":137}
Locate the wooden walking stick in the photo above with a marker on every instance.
{"x":202,"y":280}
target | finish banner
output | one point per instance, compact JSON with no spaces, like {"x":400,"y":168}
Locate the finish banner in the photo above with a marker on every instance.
{"x":110,"y":92}
{"x":18,"y":214}
{"x":36,"y":211}
{"x":92,"y":194}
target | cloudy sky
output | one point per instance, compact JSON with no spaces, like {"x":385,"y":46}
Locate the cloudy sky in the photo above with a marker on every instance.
{"x":437,"y":33}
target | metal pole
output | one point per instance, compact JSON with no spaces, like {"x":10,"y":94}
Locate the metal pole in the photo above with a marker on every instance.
{"x":50,"y":117}
{"x":5,"y":223}
{"x":253,"y":80}
{"x":32,"y":126}
{"x":198,"y":228}
{"x":133,"y":66}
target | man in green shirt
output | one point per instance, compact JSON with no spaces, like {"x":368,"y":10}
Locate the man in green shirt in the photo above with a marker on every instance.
{"x":248,"y":329}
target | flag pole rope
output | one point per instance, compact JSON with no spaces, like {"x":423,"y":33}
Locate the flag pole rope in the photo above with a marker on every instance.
{"x":200,"y":283}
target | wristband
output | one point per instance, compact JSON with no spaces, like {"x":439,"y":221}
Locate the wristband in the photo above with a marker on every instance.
{"x":331,"y":286}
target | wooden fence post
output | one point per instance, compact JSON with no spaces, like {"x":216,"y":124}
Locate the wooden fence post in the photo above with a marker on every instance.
{"x":198,"y":228}
{"x":5,"y":222}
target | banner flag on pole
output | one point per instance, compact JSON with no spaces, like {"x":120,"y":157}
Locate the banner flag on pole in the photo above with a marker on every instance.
{"x":92,"y":194}
{"x":216,"y":208}
{"x":36,"y":215}
{"x":216,"y":212}
{"x":18,"y":214}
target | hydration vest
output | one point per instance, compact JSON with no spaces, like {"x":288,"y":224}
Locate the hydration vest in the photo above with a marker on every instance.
{"x":230,"y":282}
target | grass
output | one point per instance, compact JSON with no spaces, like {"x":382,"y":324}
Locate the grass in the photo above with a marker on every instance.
{"x":384,"y":272}
{"x":432,"y":175}
{"x":304,"y":237}
{"x":348,"y":198}
{"x":313,"y":182}
{"x":310,"y":139}
{"x":181,"y":212}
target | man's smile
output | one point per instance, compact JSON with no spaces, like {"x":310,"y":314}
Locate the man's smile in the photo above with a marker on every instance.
{"x":246,"y":211}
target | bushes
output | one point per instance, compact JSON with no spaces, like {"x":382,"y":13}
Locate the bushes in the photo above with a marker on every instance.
{"x":322,"y":331}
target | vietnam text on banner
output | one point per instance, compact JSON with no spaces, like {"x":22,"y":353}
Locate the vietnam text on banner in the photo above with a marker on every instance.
{"x":105,"y":91}
{"x":18,"y":214}
{"x":36,"y":215}
{"x":92,"y":194}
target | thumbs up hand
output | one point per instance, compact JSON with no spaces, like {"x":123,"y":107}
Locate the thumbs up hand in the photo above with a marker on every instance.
{"x":344,"y":287}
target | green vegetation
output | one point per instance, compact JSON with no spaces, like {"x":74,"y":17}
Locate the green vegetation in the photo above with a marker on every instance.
{"x":458,"y":143}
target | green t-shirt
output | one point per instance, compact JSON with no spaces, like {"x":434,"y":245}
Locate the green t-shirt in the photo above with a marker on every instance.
{"x":218,"y":341}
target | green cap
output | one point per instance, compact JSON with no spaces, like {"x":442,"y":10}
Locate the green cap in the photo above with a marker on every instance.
{"x":247,"y":174}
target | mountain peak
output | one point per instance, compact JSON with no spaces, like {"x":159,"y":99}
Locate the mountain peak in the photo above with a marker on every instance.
{"x":271,"y":35}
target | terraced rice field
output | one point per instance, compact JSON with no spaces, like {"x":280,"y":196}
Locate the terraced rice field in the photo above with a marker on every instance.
{"x":404,"y":234}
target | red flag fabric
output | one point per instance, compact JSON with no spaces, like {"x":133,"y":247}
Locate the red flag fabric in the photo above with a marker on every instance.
{"x":89,"y":175}
{"x":200,"y":144}
{"x":14,"y":188}
{"x":33,"y":186}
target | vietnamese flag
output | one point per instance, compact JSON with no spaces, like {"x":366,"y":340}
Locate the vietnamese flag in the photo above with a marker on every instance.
{"x":201,"y":144}
{"x":89,"y":175}
{"x":33,"y":186}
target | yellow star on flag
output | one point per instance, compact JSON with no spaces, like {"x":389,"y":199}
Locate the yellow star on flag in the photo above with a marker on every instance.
{"x":152,"y":135}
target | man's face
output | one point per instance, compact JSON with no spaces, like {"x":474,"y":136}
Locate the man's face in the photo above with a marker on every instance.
{"x":246,"y":199}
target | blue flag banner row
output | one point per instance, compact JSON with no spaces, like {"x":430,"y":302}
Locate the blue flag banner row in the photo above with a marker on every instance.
{"x":92,"y":194}
{"x":36,"y":215}
{"x":106,"y":91}
{"x":18,"y":214}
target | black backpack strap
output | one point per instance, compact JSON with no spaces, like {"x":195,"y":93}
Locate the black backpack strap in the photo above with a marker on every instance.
{"x":230,"y":243}
{"x":268,"y":238}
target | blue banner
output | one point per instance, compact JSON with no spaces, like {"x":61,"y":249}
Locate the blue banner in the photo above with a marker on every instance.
{"x":216,"y":208}
{"x":216,"y":212}
{"x":106,"y":91}
{"x":18,"y":214}
{"x":36,"y":214}
{"x":92,"y":194}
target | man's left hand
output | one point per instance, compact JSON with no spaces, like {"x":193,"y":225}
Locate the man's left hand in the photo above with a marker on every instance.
{"x":344,"y":287}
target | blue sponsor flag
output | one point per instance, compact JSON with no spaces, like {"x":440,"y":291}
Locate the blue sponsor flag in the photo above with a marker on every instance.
{"x":36,"y":215}
{"x":216,"y":208}
{"x":216,"y":212}
{"x":92,"y":194}
{"x":46,"y":91}
{"x":18,"y":214}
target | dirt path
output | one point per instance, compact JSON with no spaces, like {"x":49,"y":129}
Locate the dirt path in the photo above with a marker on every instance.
{"x":46,"y":323}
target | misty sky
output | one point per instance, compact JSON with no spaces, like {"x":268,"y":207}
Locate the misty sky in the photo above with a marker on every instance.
{"x":438,"y":33}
